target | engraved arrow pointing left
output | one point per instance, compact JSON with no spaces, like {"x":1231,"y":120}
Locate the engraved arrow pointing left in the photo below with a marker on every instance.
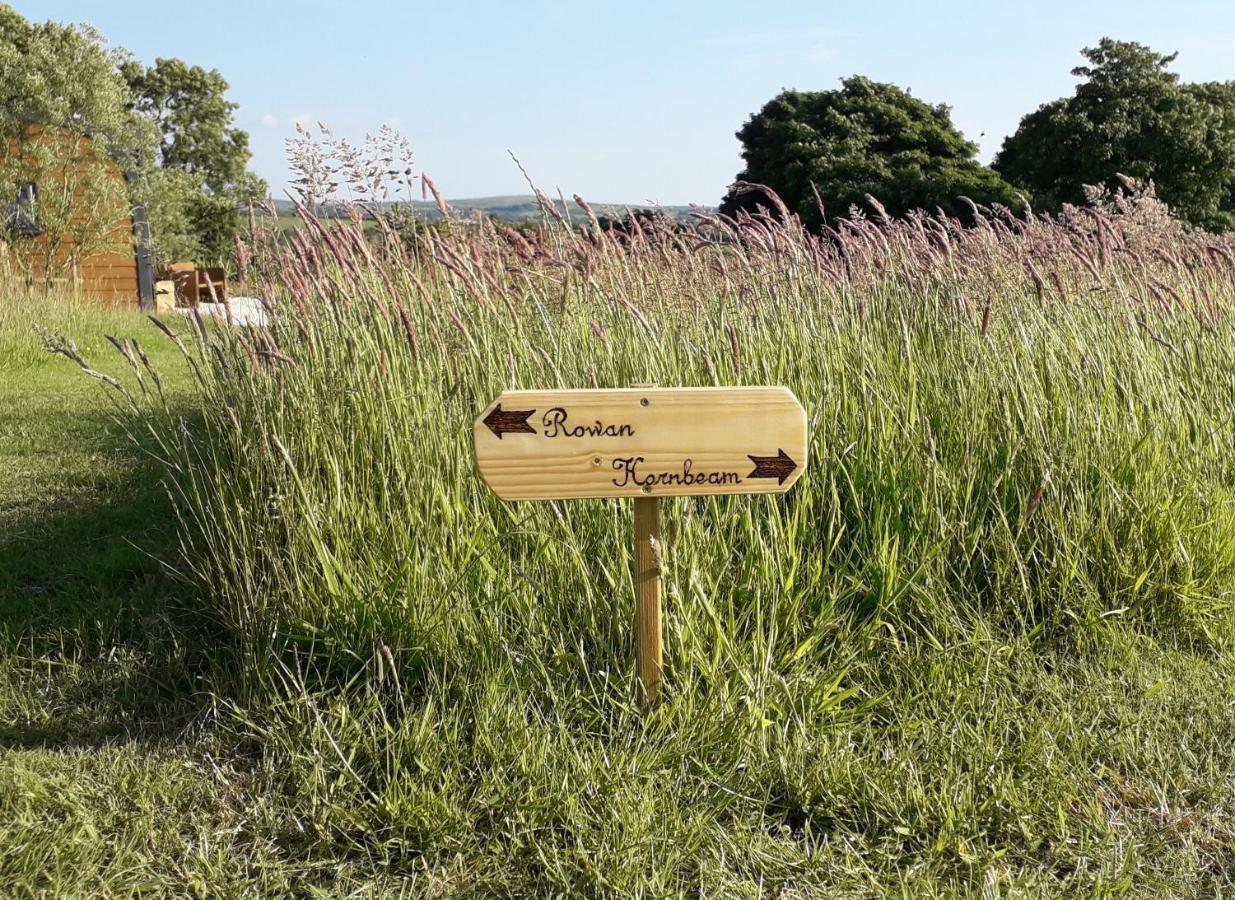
{"x":510,"y":421}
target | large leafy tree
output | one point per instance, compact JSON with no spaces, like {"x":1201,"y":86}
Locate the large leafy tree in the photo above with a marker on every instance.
{"x":203,"y":175}
{"x":866,"y":138}
{"x":62,"y":77}
{"x":168,"y":128}
{"x":1220,"y":97}
{"x":1130,"y":116}
{"x":66,"y":137}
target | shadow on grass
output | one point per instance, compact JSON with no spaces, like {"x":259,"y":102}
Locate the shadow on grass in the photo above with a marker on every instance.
{"x":97,"y":640}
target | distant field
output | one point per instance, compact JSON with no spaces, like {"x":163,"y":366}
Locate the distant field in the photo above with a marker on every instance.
{"x":513,"y":208}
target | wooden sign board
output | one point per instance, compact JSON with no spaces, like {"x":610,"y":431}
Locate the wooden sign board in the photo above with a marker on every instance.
{"x":641,"y":442}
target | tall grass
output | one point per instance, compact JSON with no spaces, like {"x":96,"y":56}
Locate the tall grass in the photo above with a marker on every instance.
{"x":1021,"y":476}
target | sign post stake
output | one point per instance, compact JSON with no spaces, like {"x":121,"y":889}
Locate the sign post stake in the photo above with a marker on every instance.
{"x":643,"y":443}
{"x":648,"y":553}
{"x":648,"y":558}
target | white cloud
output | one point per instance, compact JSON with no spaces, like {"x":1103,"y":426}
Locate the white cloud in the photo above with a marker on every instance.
{"x":270,"y":120}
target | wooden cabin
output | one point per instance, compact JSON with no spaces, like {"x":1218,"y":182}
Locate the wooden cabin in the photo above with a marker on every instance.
{"x":68,"y":221}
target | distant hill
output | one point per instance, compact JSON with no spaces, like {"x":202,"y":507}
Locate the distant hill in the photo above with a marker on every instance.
{"x":511,"y":208}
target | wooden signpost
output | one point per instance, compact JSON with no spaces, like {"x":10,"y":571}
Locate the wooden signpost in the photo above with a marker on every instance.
{"x":645,"y":443}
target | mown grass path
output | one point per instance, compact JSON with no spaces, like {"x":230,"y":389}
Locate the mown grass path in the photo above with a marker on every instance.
{"x":110,"y":780}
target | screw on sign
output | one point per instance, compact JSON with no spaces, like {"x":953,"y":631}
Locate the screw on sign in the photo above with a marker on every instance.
{"x":645,"y":443}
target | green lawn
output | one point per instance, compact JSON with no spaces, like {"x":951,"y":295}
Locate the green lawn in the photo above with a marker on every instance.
{"x":110,"y":777}
{"x":116,"y":775}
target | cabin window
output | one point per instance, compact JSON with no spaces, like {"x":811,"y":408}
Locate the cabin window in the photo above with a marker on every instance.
{"x":22,"y":217}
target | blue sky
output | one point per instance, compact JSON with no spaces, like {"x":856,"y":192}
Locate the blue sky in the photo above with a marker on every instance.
{"x":633,"y":101}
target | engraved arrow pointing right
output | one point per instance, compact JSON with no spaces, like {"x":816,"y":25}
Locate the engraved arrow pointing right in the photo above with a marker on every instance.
{"x":780,"y":466}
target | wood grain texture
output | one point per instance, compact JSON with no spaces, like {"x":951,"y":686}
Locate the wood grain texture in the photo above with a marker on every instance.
{"x":641,"y":442}
{"x":648,"y":550}
{"x":109,"y":274}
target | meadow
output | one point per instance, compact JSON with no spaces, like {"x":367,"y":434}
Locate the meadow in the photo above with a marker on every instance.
{"x":983,"y":647}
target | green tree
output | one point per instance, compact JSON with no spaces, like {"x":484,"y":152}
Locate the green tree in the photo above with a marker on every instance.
{"x":66,"y":135}
{"x":866,"y":138}
{"x":62,"y":77}
{"x":203,"y":158}
{"x":1220,"y":97}
{"x":172,"y":204}
{"x":168,"y":128}
{"x":1130,"y":116}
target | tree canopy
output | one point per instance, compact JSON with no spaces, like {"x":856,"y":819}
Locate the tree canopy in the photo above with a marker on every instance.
{"x":1130,"y":116}
{"x":167,"y":127}
{"x":61,"y":77}
{"x":66,"y":136}
{"x":194,"y":119}
{"x":202,"y":175}
{"x":866,"y":138}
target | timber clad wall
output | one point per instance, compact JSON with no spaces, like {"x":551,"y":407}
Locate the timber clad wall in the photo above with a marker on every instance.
{"x":110,"y":276}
